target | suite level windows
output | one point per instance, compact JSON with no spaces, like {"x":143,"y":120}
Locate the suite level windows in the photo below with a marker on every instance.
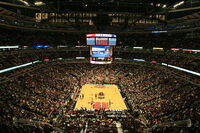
{"x":88,"y":18}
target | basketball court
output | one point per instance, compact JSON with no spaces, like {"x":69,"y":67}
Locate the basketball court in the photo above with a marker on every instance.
{"x":94,"y":96}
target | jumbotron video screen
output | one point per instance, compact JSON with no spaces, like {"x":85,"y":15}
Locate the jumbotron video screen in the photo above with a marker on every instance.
{"x":101,"y":47}
{"x":101,"y":51}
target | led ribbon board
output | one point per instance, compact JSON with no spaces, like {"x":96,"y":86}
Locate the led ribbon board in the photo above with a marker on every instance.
{"x":101,"y":35}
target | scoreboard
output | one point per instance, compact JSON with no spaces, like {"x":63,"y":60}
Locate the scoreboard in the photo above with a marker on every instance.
{"x":101,"y":47}
{"x":101,"y":39}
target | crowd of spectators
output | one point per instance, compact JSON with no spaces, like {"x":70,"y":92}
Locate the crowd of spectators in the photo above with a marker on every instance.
{"x":160,"y":96}
{"x":185,"y":40}
{"x":32,"y":39}
{"x":48,"y":96}
{"x":187,"y":61}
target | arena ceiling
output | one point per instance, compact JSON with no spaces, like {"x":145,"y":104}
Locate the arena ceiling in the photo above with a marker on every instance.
{"x":131,"y":11}
{"x":114,"y":6}
{"x":106,"y":5}
{"x":96,"y":5}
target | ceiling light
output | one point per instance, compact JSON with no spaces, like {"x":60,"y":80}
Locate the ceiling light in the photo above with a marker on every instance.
{"x":178,"y":4}
{"x":39,"y":3}
{"x":158,"y":4}
{"x":25,"y":2}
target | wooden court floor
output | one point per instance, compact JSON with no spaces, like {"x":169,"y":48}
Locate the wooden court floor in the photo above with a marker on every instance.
{"x":94,"y":96}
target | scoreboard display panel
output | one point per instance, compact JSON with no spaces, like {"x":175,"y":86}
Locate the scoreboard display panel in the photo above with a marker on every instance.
{"x":112,"y":41}
{"x":101,"y":51}
{"x":101,"y":39}
{"x":91,"y":41}
{"x":101,"y":47}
